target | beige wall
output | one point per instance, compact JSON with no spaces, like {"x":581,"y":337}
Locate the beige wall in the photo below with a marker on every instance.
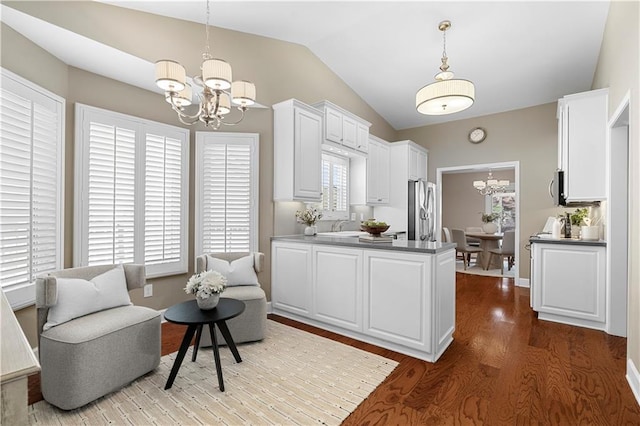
{"x":462,"y":204}
{"x":619,"y":70}
{"x":280,"y":71}
{"x":528,"y":135}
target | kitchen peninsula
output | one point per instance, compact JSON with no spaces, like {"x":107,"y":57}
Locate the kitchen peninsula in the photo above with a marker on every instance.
{"x":398,"y":295}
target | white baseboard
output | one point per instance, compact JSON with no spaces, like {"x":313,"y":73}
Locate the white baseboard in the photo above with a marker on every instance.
{"x":269,"y":308}
{"x":633,"y":377}
{"x":523,"y":282}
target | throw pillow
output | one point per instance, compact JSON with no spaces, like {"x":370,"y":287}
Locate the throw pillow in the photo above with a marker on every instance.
{"x":238,"y":272}
{"x":78,"y":297}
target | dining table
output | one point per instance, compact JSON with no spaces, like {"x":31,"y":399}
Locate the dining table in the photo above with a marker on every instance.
{"x":487,"y":242}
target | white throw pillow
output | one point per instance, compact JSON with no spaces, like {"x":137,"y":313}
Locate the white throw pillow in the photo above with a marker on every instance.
{"x":78,"y":297}
{"x":238,"y":272}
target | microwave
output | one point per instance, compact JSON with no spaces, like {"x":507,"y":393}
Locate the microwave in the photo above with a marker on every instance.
{"x":556,"y":190}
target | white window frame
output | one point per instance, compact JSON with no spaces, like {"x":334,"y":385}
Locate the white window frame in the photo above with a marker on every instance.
{"x":23,"y":295}
{"x":85,"y":113}
{"x":224,"y":138}
{"x":331,"y":214}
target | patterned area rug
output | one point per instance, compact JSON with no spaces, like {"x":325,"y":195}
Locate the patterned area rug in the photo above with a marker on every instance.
{"x":291,"y":377}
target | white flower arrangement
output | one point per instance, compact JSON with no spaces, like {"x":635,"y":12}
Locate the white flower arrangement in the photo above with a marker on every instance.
{"x":308,"y":216}
{"x":206,"y":284}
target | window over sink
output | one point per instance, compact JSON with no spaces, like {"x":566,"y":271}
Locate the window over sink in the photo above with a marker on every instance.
{"x":335,"y":187}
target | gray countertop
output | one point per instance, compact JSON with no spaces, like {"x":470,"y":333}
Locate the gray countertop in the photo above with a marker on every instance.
{"x":536,"y":239}
{"x":394,"y":245}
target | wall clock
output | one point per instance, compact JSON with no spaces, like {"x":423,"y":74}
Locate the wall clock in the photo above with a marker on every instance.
{"x":477,"y":135}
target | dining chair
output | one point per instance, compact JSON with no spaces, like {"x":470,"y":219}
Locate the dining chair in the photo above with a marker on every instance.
{"x":507,"y":250}
{"x":448,"y":239}
{"x":475,"y":242}
{"x":460,"y":238}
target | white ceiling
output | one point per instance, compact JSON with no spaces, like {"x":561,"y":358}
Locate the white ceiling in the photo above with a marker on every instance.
{"x":517,"y":53}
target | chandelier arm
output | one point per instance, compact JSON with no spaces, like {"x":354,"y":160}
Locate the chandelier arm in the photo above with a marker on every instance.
{"x":188,"y":123}
{"x":180,"y":111}
{"x":242,"y":110}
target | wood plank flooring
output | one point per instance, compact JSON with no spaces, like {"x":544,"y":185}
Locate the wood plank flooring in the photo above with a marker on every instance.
{"x":504,"y":367}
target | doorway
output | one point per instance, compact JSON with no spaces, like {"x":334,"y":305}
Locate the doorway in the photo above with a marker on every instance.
{"x":513,"y":221}
{"x":617,"y":231}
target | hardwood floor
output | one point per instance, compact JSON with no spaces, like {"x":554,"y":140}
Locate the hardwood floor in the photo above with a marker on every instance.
{"x":503,"y":367}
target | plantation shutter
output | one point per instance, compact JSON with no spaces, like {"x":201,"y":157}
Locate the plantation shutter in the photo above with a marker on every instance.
{"x":111,"y":194}
{"x":30,"y":185}
{"x":227,"y":192}
{"x":163,"y":201}
{"x":335,"y":187}
{"x":132,"y":192}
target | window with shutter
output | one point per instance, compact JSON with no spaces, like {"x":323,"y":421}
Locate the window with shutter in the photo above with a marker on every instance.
{"x":31,"y":186}
{"x":226,"y":192}
{"x":335,"y":187}
{"x":132,"y":197}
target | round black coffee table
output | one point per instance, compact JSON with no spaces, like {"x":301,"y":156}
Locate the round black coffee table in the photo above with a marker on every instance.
{"x":188,"y":313}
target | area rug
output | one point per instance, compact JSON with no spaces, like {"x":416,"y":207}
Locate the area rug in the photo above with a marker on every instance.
{"x":478,"y":270}
{"x":291,"y":377}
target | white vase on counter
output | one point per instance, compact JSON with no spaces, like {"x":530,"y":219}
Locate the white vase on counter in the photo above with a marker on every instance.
{"x":310,"y":230}
{"x":490,"y":228}
{"x":591,"y":233}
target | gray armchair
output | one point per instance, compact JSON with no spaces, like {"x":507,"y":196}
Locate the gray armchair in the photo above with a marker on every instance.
{"x":94,"y":354}
{"x":251,"y":325}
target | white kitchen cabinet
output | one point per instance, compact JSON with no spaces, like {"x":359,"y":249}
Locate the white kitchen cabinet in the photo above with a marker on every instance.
{"x":402,"y":300}
{"x":342,"y":128}
{"x":337,"y":286}
{"x":292,"y":270}
{"x":362,"y":140}
{"x":398,"y":298}
{"x":377,"y":183}
{"x":582,"y":133}
{"x":569,"y":283}
{"x":297,"y":154}
{"x":417,"y":163}
{"x":409,"y":162}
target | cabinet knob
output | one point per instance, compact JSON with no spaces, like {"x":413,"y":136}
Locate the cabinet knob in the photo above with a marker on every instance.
{"x":379,"y":199}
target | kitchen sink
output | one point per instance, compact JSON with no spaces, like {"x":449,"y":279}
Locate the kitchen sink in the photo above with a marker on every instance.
{"x":342,"y":234}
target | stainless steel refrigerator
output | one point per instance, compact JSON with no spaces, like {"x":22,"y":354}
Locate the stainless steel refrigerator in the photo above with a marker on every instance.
{"x":421,"y":211}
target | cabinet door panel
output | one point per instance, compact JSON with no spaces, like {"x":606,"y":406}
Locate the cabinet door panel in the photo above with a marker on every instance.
{"x":398,"y":303}
{"x":349,"y":132}
{"x":307,"y":155}
{"x":337,"y":287}
{"x":570,"y":281}
{"x":333,"y":125}
{"x":291,"y":284}
{"x":362,"y":138}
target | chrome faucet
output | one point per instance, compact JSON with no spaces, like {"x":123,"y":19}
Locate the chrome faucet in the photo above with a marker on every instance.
{"x":337,"y":225}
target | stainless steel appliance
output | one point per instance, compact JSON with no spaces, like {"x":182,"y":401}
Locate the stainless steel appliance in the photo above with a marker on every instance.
{"x":421,"y":211}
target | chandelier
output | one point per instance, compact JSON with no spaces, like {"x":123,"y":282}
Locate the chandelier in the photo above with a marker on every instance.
{"x":214,"y":82}
{"x":491,"y":186}
{"x":446,"y":95}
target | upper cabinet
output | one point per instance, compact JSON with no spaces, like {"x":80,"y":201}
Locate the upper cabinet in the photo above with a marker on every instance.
{"x":377,"y":185}
{"x":297,"y":155}
{"x":344,"y":129}
{"x":582,"y":133}
{"x":417,"y":162}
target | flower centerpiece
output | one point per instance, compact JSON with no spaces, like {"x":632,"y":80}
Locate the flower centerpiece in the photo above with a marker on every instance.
{"x":309,"y":217}
{"x":206,"y":286}
{"x":489,"y":219}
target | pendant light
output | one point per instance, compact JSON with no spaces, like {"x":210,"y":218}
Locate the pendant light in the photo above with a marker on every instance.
{"x":446,"y":95}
